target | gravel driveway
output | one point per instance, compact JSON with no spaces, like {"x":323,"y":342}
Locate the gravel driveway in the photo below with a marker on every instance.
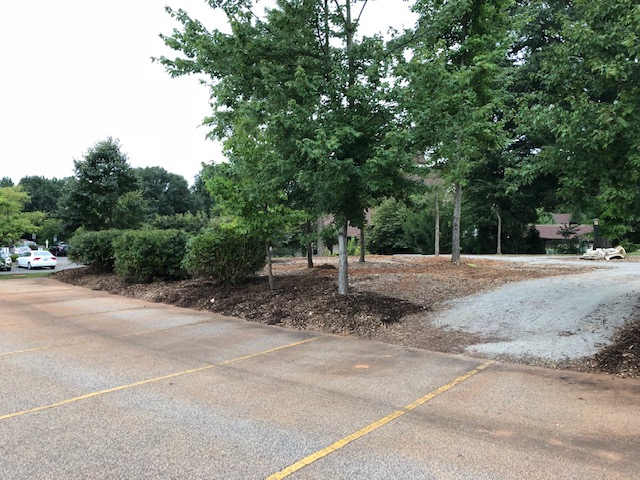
{"x":558,"y":318}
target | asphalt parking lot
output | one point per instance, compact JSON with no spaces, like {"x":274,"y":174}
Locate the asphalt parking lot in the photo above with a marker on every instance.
{"x":63,"y":264}
{"x":101,"y":386}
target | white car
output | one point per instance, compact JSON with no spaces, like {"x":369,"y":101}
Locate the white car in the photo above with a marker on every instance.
{"x":37,"y":259}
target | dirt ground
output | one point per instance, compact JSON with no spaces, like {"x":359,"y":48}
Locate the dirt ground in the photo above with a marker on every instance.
{"x":390,"y":301}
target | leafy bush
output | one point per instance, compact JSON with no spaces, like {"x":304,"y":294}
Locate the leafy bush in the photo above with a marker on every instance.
{"x":630,"y":247}
{"x":353,"y":247}
{"x":94,"y":249}
{"x":142,"y":256}
{"x":181,"y":221}
{"x":385,"y":233}
{"x":226,"y":253}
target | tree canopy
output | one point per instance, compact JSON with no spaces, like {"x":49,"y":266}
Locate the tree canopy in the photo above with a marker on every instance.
{"x":457,"y":87}
{"x":315,"y":97}
{"x":44,"y":193}
{"x":166,"y":193}
{"x":101,"y":178}
{"x":14,"y":221}
{"x":582,"y":104}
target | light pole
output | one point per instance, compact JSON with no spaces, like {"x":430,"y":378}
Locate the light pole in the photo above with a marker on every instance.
{"x":596,"y":233}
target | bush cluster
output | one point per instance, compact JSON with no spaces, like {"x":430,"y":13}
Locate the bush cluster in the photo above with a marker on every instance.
{"x":94,"y":249}
{"x":182,"y":221}
{"x":226,"y":254}
{"x":142,"y":256}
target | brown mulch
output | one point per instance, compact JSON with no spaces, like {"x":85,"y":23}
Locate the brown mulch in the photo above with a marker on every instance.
{"x":388,"y":300}
{"x":622,"y":356}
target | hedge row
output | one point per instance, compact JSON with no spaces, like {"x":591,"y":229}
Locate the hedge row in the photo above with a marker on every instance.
{"x":142,"y":256}
{"x":226,"y":254}
{"x":94,"y":249}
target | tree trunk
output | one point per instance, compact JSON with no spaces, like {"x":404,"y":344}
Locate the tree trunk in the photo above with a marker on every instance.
{"x":362,"y":243}
{"x":320,"y":242}
{"x":269,"y":267}
{"x":343,"y":260}
{"x":436,"y":239}
{"x":455,"y":234}
{"x":308,"y":230}
{"x":499,"y":248}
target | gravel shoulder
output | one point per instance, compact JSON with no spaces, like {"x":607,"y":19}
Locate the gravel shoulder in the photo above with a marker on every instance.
{"x":558,"y":319}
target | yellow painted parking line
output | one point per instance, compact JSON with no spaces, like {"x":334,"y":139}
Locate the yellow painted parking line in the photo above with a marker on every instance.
{"x":374,"y":426}
{"x":13,"y":324}
{"x":27,"y":350}
{"x":72,"y":344}
{"x":152,"y":380}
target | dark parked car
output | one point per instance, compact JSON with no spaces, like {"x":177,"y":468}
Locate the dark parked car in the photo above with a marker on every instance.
{"x":60,"y":249}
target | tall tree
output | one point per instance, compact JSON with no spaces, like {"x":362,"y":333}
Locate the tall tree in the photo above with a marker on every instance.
{"x":92,"y":195}
{"x":582,"y":68}
{"x":245,"y":189}
{"x":166,"y":193}
{"x":422,"y":221}
{"x":44,"y":193}
{"x":130,"y":211}
{"x":458,"y":77}
{"x":316,"y":92}
{"x":499,"y":215}
{"x":14,"y":221}
{"x":201,"y":199}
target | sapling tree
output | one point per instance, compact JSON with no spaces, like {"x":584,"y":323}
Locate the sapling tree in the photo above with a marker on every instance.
{"x":317,"y":95}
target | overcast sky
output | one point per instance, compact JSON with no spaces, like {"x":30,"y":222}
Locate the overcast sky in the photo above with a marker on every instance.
{"x":75,"y":72}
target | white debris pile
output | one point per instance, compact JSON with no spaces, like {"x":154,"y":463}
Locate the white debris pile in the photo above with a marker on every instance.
{"x":605,"y":253}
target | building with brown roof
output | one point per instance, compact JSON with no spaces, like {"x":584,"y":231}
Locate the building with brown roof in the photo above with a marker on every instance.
{"x":563,"y":231}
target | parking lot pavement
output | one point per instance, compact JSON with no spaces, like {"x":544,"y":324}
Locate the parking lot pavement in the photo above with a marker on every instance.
{"x":97,"y":385}
{"x":63,"y":263}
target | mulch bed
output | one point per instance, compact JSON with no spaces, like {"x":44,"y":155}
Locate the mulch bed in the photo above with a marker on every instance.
{"x":389,"y":299}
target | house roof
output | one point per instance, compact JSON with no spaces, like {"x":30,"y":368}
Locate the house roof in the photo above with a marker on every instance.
{"x":552,"y":232}
{"x":351,"y":230}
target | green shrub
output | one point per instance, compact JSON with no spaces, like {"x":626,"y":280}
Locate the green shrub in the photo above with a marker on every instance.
{"x":630,"y":247}
{"x":225,"y":253}
{"x":181,"y":221}
{"x":353,"y":247}
{"x":94,"y":249}
{"x":385,"y":234}
{"x":142,"y":256}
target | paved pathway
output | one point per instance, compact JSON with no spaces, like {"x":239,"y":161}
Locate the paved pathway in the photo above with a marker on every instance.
{"x":100,"y":386}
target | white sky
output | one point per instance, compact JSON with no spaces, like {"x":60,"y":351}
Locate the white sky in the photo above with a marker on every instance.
{"x":75,"y":72}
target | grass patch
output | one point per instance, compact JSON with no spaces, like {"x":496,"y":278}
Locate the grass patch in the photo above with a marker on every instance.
{"x":12,"y":276}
